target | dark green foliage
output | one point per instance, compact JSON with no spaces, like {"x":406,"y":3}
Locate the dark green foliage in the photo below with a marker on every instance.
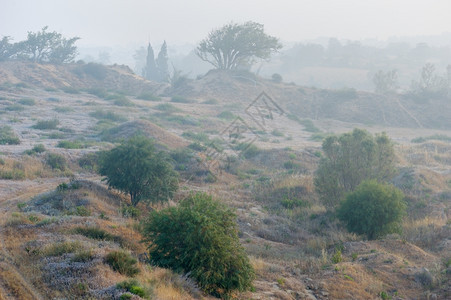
{"x":137,"y":169}
{"x":81,"y":211}
{"x":131,"y":212}
{"x":122,"y":262}
{"x":250,"y":152}
{"x":293,"y":203}
{"x":350,"y":159}
{"x":56,"y":161}
{"x":182,"y":155}
{"x":134,"y":287}
{"x":14,"y":174}
{"x":46,"y":124}
{"x":39,"y":148}
{"x":61,"y":248}
{"x":373,"y":209}
{"x":98,"y":234}
{"x":70,"y":145}
{"x":89,"y":161}
{"x":7,"y":136}
{"x":200,"y":236}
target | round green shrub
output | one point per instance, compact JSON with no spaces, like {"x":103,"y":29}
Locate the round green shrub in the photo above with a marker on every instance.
{"x":373,"y":209}
{"x":200,"y":237}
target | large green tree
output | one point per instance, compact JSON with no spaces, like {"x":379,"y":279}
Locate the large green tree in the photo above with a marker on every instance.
{"x":236,"y":45}
{"x":373,"y":209}
{"x":136,"y":168}
{"x":200,"y":237}
{"x":45,"y":46}
{"x":350,"y":159}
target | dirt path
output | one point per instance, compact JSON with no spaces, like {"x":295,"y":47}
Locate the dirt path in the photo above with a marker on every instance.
{"x":408,"y":113}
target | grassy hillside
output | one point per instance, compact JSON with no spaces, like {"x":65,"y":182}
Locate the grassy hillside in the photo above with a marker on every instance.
{"x":59,"y":222}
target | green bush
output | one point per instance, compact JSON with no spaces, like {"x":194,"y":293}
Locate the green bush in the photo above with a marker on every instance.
{"x":70,"y":145}
{"x":373,"y":209}
{"x":8,"y":137}
{"x":136,"y":168}
{"x":98,"y":234}
{"x":251,"y":151}
{"x":61,"y":248}
{"x":200,"y":236}
{"x":89,"y":161}
{"x":131,"y":212}
{"x":39,"y":148}
{"x":82,"y":211}
{"x":122,"y":262}
{"x":134,"y":287}
{"x":46,"y":124}
{"x":56,"y":161}
{"x":350,"y":159}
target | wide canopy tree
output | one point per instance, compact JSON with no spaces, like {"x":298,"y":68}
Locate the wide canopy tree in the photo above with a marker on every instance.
{"x":236,"y":45}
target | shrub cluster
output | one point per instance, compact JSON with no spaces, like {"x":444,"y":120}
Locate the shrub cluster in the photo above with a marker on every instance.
{"x":200,"y":236}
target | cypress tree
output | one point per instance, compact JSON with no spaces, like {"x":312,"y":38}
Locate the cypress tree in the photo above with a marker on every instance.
{"x":162,"y":63}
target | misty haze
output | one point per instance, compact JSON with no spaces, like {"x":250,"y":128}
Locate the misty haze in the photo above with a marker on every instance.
{"x":225,"y":149}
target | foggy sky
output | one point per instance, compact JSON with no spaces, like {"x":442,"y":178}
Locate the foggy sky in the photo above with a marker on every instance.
{"x":124,"y":22}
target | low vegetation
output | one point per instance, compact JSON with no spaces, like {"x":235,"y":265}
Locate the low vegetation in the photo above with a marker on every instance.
{"x":373,"y":209}
{"x":46,"y":124}
{"x":8,"y":137}
{"x":122,"y":262}
{"x":200,"y":236}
